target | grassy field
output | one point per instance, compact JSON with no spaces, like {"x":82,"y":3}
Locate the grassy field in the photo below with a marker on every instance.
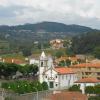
{"x":14,"y":55}
{"x":48,"y":51}
{"x":35,"y":53}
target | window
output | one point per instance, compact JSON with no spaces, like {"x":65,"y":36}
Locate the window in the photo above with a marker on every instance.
{"x":56,"y":76}
{"x":41,"y":64}
{"x":82,"y":73}
{"x":62,"y":76}
{"x":45,"y":76}
{"x":89,"y":68}
{"x":87,"y":73}
{"x":98,"y":78}
{"x":56,"y":85}
{"x":66,"y":77}
{"x":98,"y":73}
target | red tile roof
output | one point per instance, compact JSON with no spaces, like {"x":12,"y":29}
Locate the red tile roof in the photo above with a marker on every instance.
{"x":88,"y":80}
{"x":64,"y":70}
{"x":68,"y":96}
{"x":82,"y":65}
{"x":74,"y":58}
{"x":16,"y":61}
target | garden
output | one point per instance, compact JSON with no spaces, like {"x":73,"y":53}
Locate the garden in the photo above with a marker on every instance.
{"x":22,"y":87}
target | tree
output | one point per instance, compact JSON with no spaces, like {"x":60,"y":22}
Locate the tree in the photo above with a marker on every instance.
{"x":75,"y":88}
{"x":69,"y":52}
{"x":97,"y":89}
{"x":8,"y":69}
{"x":94,"y":98}
{"x":68,"y":62}
{"x":39,"y":86}
{"x":24,"y":69}
{"x":11,"y":69}
{"x":45,"y":86}
{"x":33,"y":69}
{"x":26,"y":52}
{"x":62,"y":63}
{"x":86,"y":43}
{"x":22,"y":87}
{"x":2,"y":69}
{"x":89,"y":90}
{"x":96,"y":52}
{"x":58,"y":54}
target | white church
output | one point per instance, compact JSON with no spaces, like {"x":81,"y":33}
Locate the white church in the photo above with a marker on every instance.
{"x":56,"y":77}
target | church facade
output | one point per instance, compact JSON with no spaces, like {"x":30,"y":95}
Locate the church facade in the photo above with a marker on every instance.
{"x":56,"y":77}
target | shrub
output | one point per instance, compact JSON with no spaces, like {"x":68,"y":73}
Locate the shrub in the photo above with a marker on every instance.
{"x":75,"y":88}
{"x":45,"y":86}
{"x":89,"y":90}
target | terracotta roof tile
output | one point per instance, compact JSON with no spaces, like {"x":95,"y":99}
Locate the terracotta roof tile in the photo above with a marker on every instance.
{"x":68,"y":96}
{"x":16,"y":61}
{"x":66,"y":58}
{"x":63,"y":70}
{"x":88,"y":80}
{"x":95,"y":65}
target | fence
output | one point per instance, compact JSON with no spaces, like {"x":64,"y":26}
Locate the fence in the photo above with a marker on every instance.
{"x":41,"y":95}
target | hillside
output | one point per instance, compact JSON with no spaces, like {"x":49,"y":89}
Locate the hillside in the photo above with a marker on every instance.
{"x":23,"y":36}
{"x":86,"y":43}
{"x":48,"y":27}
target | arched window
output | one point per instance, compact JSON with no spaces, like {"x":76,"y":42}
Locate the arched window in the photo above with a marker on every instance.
{"x":41,"y":64}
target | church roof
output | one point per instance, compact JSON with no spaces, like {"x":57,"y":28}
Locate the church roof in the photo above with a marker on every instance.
{"x":64,"y":70}
{"x":43,"y":56}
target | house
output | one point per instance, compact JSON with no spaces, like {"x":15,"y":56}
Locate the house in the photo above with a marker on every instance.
{"x":85,"y":70}
{"x":13,"y":60}
{"x":68,"y":96}
{"x":57,"y":43}
{"x":74,"y":60}
{"x":87,"y":82}
{"x":34,"y":61}
{"x":56,"y":77}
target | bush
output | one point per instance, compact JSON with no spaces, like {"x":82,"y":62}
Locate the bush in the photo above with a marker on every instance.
{"x":75,"y":88}
{"x":8,"y":98}
{"x":22,"y":87}
{"x":94,"y":98}
{"x":97,"y":89}
{"x":45,"y":86}
{"x":96,"y":52}
{"x":62,"y":63}
{"x":58,"y":54}
{"x":89,"y":90}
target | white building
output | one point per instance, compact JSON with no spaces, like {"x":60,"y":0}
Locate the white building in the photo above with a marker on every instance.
{"x":56,"y":78}
{"x":87,"y":82}
{"x":34,"y":61}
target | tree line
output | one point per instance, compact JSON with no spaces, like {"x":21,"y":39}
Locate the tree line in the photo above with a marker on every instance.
{"x":8,"y":70}
{"x":87,"y":43}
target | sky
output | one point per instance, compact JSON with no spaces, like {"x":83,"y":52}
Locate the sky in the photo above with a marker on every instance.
{"x":81,"y":12}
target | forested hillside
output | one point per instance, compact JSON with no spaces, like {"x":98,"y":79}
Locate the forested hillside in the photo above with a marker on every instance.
{"x":87,"y":43}
{"x":22,"y":37}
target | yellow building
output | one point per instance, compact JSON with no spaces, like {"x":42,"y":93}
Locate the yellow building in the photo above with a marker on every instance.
{"x":85,"y":70}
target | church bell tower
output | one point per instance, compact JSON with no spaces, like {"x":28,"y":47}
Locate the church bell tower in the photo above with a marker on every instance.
{"x":42,"y":66}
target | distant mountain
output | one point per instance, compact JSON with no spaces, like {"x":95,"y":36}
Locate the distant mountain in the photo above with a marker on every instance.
{"x":48,"y":27}
{"x":22,"y":36}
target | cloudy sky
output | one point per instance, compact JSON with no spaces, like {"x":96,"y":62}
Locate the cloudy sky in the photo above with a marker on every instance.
{"x":83,"y":12}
